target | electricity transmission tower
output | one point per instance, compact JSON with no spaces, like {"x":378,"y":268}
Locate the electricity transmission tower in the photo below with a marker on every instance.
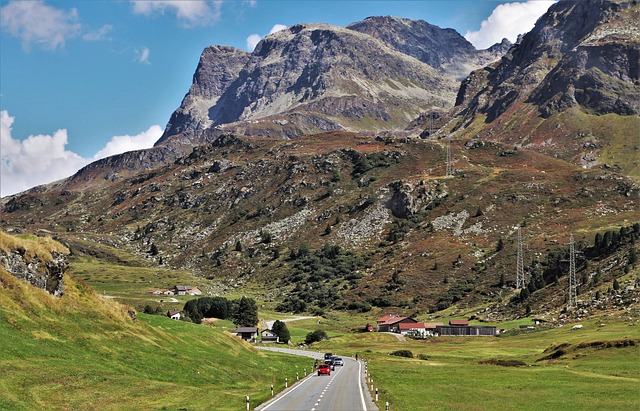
{"x":449,"y":165}
{"x":573,"y":285}
{"x":520,"y":280}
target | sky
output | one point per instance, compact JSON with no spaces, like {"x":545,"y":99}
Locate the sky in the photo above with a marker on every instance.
{"x":82,"y":80}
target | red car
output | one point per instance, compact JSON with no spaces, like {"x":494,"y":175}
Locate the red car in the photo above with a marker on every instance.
{"x":324,"y":369}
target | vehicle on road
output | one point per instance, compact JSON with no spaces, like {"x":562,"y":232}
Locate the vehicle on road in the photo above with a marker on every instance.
{"x":328,"y":356}
{"x":324,"y":369}
{"x":338,"y":361}
{"x":330,"y":363}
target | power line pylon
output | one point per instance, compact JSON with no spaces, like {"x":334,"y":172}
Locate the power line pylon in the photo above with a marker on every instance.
{"x":573,"y":285}
{"x":520,"y":280}
{"x":449,"y":165}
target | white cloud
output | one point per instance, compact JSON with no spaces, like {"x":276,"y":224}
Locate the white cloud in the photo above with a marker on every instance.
{"x":36,"y":23}
{"x":277,"y":28}
{"x":43,"y":158}
{"x":122,"y":144}
{"x":100,"y":34}
{"x":142,"y":56}
{"x":254,"y":39}
{"x":508,"y":21}
{"x":190,"y":13}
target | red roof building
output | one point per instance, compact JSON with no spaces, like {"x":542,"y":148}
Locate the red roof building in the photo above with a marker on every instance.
{"x":459,"y":323}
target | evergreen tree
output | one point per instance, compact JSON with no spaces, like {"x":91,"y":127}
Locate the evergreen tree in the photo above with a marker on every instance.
{"x":280,"y":329}
{"x":246,"y":314}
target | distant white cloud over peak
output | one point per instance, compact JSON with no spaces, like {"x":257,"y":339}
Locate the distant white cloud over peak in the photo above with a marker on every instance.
{"x":254,"y":39}
{"x":508,"y":20}
{"x":190,"y":13}
{"x":122,"y":144}
{"x":43,"y":159}
{"x":142,"y":56}
{"x":36,"y":23}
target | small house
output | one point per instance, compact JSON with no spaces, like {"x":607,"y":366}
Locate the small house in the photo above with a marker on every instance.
{"x":174,"y":314}
{"x":249,"y":334}
{"x":268,"y":336}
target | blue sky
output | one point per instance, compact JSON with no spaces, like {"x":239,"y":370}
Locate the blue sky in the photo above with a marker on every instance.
{"x":80,"y":80}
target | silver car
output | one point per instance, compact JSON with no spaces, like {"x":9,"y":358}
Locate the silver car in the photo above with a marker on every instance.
{"x":338,"y":361}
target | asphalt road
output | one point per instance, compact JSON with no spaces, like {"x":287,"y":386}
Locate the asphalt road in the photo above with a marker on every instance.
{"x":343,"y":390}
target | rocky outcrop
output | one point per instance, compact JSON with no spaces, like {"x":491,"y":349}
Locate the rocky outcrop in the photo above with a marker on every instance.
{"x":47,"y":275}
{"x":444,"y":49}
{"x":584,"y":54}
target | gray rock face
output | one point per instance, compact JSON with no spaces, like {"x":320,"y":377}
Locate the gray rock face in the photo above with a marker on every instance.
{"x":218,"y":68}
{"x":306,"y":79}
{"x":444,"y":49}
{"x":47,"y":276}
{"x":583,"y":53}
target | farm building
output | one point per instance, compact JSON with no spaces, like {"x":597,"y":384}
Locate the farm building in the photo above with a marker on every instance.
{"x":391,"y":323}
{"x":462,"y":328}
{"x":246,"y":333}
{"x":268,"y":336}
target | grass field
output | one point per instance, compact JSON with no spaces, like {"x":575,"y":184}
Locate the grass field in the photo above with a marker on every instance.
{"x":460,"y":372}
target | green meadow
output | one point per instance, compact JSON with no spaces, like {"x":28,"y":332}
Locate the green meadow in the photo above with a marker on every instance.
{"x":593,"y":368}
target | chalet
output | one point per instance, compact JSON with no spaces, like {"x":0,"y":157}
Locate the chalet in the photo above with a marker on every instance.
{"x":249,"y":334}
{"x":392,"y":324}
{"x":268,"y":336}
{"x":186,"y":290}
{"x":174,"y":314}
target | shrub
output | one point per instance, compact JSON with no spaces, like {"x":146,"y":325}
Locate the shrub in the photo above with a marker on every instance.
{"x":402,"y":353}
{"x":423,"y":357}
{"x":315,"y":336}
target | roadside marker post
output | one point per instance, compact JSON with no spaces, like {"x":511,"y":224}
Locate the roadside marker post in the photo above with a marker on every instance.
{"x":305,"y":371}
{"x":376,"y":395}
{"x":387,"y":406}
{"x":297,"y":378}
{"x":247,"y":403}
{"x":372,"y":384}
{"x":286,"y":383}
{"x":272,"y":390}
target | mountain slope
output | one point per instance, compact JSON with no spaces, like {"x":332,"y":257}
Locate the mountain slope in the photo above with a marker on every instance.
{"x":579,"y":65}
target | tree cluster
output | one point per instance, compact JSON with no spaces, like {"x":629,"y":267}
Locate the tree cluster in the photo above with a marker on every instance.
{"x":243,"y":312}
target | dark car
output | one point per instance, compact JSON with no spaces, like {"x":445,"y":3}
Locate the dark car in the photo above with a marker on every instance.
{"x":328,"y":356}
{"x":324,"y":369}
{"x":330,"y":363}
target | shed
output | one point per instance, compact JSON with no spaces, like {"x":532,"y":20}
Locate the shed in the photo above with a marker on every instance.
{"x":247,"y":333}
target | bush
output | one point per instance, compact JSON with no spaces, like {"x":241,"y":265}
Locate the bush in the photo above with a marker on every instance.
{"x":315,"y":336}
{"x":402,"y":353}
{"x":423,"y":357}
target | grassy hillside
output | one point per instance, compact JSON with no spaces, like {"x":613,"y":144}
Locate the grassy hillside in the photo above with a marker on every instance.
{"x":82,"y":351}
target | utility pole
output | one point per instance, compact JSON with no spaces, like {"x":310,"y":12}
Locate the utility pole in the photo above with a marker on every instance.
{"x":520,"y":280}
{"x":449,"y":165}
{"x":573,"y":285}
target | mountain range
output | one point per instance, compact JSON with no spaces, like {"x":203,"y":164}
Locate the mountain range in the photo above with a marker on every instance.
{"x":389,"y":163}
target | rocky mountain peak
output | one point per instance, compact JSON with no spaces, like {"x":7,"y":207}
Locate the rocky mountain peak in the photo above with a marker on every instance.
{"x":308,"y":78}
{"x":580,"y":53}
{"x":444,"y":49}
